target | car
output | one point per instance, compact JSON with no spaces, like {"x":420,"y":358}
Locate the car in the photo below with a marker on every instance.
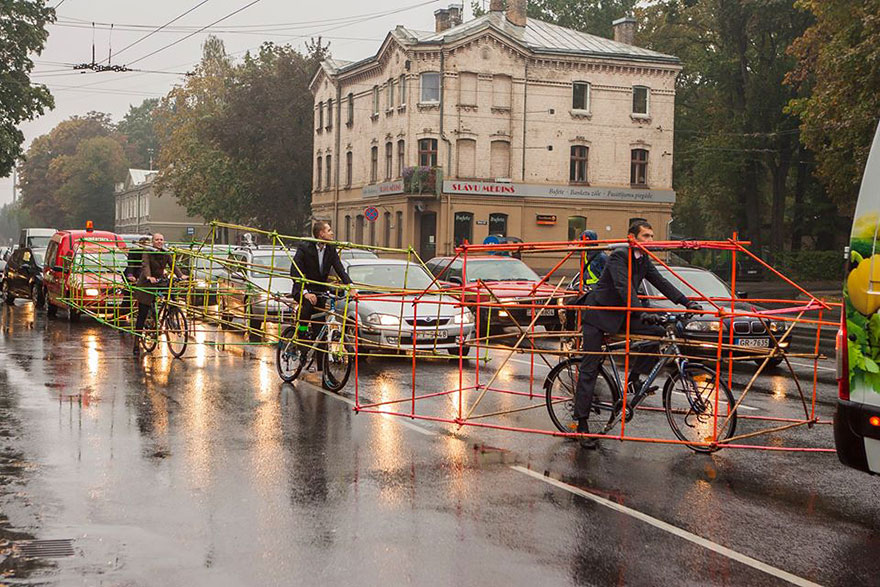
{"x":85,"y":266}
{"x":509,"y":280}
{"x":35,"y":238}
{"x":5,"y":254}
{"x":205,"y":266}
{"x":394,"y":320}
{"x":253,"y":279}
{"x":23,"y":276}
{"x":346,"y":254}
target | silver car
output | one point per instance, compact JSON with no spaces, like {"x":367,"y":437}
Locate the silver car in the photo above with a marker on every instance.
{"x":254,"y":280}
{"x":393,"y":320}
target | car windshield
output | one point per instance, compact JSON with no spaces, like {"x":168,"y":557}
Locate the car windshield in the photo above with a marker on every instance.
{"x":280,"y":263}
{"x":97,"y":258}
{"x":705,"y":282}
{"x":357,"y":254}
{"x":207,"y":262}
{"x":499,"y":270}
{"x":39,"y":241}
{"x":38,"y":257}
{"x":391,"y":276}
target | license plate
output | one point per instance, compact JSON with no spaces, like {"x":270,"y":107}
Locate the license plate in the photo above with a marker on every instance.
{"x":546,"y":312}
{"x":430,"y":334}
{"x":753,"y":342}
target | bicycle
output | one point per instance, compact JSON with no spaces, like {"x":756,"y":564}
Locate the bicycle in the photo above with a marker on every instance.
{"x":690,"y":397}
{"x":329,"y":348}
{"x":165,"y":318}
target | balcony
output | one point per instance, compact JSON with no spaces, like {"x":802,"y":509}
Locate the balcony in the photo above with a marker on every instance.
{"x":421,"y":180}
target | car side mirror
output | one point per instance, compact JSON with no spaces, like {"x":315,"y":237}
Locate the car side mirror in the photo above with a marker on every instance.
{"x":455,"y":280}
{"x":742,"y":294}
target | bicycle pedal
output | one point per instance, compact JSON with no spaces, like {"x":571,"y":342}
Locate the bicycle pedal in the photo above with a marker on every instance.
{"x":652,"y":390}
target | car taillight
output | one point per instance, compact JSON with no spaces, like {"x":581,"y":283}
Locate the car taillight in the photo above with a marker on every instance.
{"x":842,"y":348}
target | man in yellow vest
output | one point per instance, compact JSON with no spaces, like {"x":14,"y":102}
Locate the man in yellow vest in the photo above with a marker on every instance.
{"x":593,"y":263}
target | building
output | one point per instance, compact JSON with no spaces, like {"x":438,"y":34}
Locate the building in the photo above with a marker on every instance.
{"x":140,"y":210}
{"x":499,"y":125}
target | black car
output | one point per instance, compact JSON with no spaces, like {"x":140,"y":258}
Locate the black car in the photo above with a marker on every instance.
{"x":23,"y":276}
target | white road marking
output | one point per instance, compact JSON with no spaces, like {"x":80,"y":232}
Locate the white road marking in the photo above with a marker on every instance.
{"x":820,"y":367}
{"x":674,"y":530}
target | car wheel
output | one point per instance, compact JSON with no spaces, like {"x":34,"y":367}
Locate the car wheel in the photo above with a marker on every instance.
{"x":37,"y":295}
{"x":465,"y":351}
{"x":51,"y":310}
{"x":774,"y":362}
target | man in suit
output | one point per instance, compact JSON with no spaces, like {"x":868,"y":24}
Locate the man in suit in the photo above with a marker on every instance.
{"x":611,"y":291}
{"x":313,"y":262}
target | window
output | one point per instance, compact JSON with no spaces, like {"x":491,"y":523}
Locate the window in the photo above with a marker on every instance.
{"x":319,"y":173}
{"x":576,"y":227}
{"x":373,"y":233}
{"x":638,"y":171}
{"x":641,"y":96}
{"x":329,"y":114}
{"x":402,"y":88}
{"x":347,"y":228}
{"x":463,"y":227}
{"x":390,"y":95}
{"x":580,"y":96}
{"x":499,"y":159}
{"x":375,"y":100}
{"x":320,"y":115}
{"x":386,"y":235}
{"x":374,"y":164}
{"x":467,"y":158}
{"x":398,"y":224}
{"x":467,"y":88}
{"x":498,"y":223}
{"x":348,"y":164}
{"x":430,"y":87}
{"x":577,"y":172}
{"x":501,"y":86}
{"x":350,"y":116}
{"x":329,"y":165}
{"x":401,"y":157}
{"x":359,"y":229}
{"x":428,"y":152}
{"x":389,"y":160}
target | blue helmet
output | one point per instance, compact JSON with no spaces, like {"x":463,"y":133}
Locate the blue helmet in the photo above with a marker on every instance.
{"x":590,"y":235}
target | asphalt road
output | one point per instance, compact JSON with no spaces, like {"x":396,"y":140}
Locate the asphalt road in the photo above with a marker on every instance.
{"x":208,"y":470}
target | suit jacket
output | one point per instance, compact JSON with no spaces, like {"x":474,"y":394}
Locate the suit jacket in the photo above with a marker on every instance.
{"x":611,"y":290}
{"x":153,"y":264}
{"x":305,"y":265}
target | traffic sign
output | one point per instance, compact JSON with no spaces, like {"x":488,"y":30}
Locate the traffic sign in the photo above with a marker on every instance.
{"x":371,"y":213}
{"x":491,"y":240}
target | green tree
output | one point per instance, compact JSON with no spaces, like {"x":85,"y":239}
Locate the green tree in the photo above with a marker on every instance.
{"x":22,"y":32}
{"x":136,"y":128}
{"x":838,"y":68}
{"x":88,"y":179}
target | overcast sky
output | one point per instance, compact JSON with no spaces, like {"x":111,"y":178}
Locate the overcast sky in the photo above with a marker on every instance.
{"x":354,"y":28}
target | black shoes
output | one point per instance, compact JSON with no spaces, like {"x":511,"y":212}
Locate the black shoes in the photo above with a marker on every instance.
{"x":586,"y":442}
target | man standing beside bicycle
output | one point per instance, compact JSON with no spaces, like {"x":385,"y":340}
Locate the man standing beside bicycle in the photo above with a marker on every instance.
{"x":609,"y":292}
{"x":154,"y":263}
{"x":310,"y":270}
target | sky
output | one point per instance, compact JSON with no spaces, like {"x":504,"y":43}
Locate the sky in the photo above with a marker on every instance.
{"x":354,"y":28}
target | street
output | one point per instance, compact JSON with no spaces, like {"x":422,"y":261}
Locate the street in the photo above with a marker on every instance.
{"x":209,"y":470}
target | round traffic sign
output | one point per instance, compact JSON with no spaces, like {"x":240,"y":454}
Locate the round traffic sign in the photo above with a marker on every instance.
{"x":491,"y":240}
{"x":371,"y":213}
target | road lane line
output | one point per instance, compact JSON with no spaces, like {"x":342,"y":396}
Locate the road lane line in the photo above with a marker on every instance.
{"x":810,"y":366}
{"x":399,"y":419}
{"x":675,"y":530}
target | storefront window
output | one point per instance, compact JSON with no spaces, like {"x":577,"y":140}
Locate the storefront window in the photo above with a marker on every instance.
{"x":463,"y":227}
{"x":498,"y":224}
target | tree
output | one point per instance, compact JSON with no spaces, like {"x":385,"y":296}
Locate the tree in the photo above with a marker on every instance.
{"x":838,"y":66}
{"x":22,"y":32}
{"x":136,"y":128}
{"x":88,"y":180}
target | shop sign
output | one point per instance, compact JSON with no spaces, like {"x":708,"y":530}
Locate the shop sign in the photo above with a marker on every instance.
{"x":386,"y":188}
{"x":491,"y":188}
{"x":547,"y":219}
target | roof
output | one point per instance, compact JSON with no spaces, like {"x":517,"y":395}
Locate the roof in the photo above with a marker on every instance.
{"x":140,"y":176}
{"x":377,"y":261}
{"x":537,"y":36}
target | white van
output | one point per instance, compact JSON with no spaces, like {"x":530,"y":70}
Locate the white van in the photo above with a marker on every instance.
{"x":35,"y":238}
{"x":857,"y":422}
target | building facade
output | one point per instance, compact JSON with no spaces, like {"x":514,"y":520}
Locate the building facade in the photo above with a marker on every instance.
{"x":140,"y":210}
{"x":501,"y":125}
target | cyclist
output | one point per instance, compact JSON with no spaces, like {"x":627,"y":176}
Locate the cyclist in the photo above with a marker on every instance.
{"x":310,"y":269}
{"x":594,"y":263}
{"x":611,"y":291}
{"x":154,"y":262}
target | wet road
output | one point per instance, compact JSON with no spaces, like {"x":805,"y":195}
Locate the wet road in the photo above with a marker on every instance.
{"x":210,"y":471}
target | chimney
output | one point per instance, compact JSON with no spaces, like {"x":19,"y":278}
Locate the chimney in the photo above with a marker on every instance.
{"x":496,"y":5}
{"x":624,"y":30}
{"x":441,"y":20}
{"x":516,"y":12}
{"x":455,"y":13}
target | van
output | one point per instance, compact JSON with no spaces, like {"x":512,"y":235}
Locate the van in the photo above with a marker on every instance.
{"x":35,"y":238}
{"x":85,"y":267}
{"x":857,"y":421}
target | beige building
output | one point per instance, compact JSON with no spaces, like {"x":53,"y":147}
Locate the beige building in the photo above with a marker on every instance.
{"x":521,"y":128}
{"x":140,"y":210}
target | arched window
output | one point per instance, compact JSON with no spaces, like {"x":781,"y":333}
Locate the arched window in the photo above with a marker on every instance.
{"x":428,"y":152}
{"x":348,"y":171}
{"x":467,"y":158}
{"x":498,"y":223}
{"x":359,"y":229}
{"x":319,"y":173}
{"x":577,"y":168}
{"x":347,"y":228}
{"x":576,"y":226}
{"x":386,"y":234}
{"x":401,"y":157}
{"x":499,"y":164}
{"x":638,"y":171}
{"x":389,"y":160}
{"x":463,"y":228}
{"x":329,"y":181}
{"x":374,"y":164}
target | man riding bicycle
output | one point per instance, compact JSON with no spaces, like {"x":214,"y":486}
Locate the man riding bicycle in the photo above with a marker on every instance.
{"x":310,"y":270}
{"x":153,"y":268}
{"x":611,"y":291}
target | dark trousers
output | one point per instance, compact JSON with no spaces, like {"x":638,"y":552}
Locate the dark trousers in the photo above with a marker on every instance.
{"x":143,"y":311}
{"x":306,"y":309}
{"x":589,"y":370}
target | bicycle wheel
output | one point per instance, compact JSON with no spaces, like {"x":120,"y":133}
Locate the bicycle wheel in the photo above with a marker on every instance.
{"x":690,"y":404}
{"x":559,"y":388}
{"x":288,"y":356}
{"x":150,"y":333}
{"x":337,"y":360}
{"x":176,"y":332}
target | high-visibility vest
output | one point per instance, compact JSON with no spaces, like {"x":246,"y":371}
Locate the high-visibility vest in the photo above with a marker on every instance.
{"x":592,"y":278}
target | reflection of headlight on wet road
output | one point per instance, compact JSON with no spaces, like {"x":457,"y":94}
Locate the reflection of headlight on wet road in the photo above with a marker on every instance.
{"x":92,"y":292}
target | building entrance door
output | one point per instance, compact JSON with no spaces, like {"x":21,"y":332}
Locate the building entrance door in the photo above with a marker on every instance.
{"x":428,"y":235}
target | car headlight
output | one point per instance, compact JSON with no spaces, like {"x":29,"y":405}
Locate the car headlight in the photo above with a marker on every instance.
{"x":463,"y":318}
{"x":92,"y":292}
{"x":777,"y":326}
{"x":703,"y":326}
{"x":508,"y":301}
{"x":201,"y":283}
{"x":383,"y":320}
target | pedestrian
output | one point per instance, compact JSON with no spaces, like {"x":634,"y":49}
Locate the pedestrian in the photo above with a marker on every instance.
{"x":310,"y":269}
{"x":153,"y":271}
{"x":610,"y":292}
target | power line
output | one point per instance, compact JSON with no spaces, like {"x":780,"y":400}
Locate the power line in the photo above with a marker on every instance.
{"x":156,"y":30}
